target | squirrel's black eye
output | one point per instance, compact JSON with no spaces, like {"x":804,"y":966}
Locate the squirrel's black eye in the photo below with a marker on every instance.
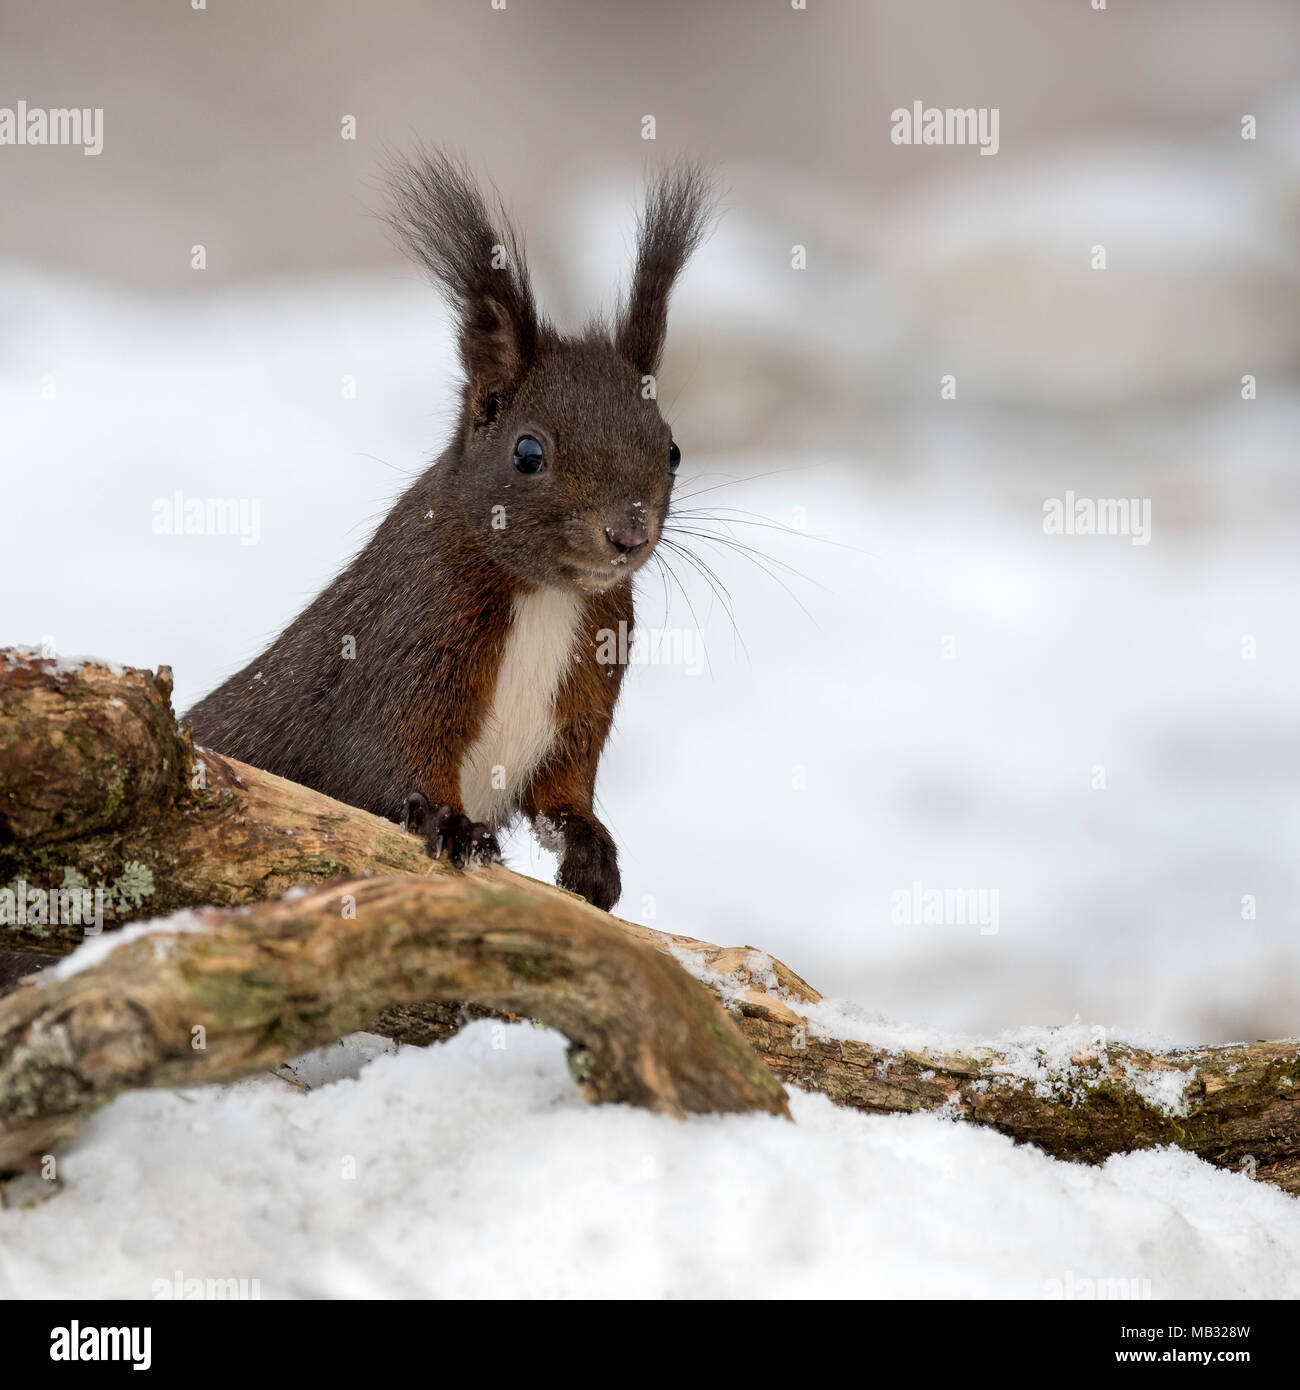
{"x":528,"y":455}
{"x":674,"y":457}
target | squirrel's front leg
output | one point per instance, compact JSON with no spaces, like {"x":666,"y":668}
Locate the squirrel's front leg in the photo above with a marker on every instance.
{"x":432,"y":807}
{"x":590,"y":863}
{"x":559,"y":800}
{"x":559,"y":806}
{"x":588,"y":857}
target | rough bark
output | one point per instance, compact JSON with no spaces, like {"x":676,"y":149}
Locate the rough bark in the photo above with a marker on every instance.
{"x":230,"y":993}
{"x":94,"y":777}
{"x":100,"y":790}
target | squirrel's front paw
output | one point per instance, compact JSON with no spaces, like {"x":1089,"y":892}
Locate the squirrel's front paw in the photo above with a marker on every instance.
{"x":450,"y":833}
{"x":589,"y":865}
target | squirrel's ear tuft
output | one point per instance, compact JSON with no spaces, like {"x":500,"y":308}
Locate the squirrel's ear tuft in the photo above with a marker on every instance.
{"x":679,"y":206}
{"x":477,"y":259}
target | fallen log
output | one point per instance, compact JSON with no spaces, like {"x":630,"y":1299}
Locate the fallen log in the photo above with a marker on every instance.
{"x":223,"y":994}
{"x":98,"y":786}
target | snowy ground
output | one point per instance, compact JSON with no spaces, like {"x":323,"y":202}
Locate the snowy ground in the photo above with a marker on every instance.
{"x":929,"y":707}
{"x":473,"y":1169}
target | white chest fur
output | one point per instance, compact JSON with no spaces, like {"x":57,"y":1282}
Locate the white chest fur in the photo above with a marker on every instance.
{"x":520,"y":727}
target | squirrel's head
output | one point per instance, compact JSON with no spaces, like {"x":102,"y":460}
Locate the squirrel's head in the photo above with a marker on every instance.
{"x":564,"y":465}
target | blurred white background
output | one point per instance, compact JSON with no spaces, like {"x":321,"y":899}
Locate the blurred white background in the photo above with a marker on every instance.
{"x":926,"y":692}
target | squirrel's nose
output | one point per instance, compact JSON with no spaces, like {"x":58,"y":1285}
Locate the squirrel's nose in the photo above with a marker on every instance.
{"x":631,"y":536}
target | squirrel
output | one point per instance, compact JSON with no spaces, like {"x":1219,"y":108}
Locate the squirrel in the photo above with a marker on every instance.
{"x":478,"y":691}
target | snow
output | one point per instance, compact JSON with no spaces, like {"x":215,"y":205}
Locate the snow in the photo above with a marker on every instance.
{"x":97,"y":949}
{"x":1166,"y":1089}
{"x":1061,"y":1063}
{"x":479,"y":1172}
{"x":15,"y":654}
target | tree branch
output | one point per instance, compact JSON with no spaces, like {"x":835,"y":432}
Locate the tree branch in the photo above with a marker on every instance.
{"x":230,"y":993}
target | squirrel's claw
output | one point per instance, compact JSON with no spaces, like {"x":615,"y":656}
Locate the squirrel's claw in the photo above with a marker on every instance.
{"x":449,"y":833}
